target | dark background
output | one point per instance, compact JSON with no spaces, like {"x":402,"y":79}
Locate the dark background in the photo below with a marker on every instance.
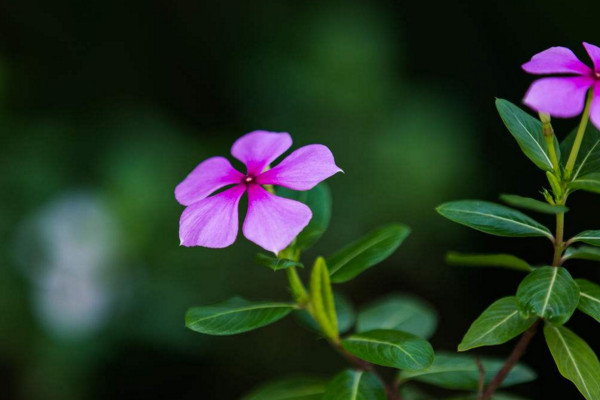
{"x":106,"y":105}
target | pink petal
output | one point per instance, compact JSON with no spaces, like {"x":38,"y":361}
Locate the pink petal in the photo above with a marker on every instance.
{"x":302,"y":169}
{"x":260,"y":148}
{"x":559,"y":97}
{"x":556,"y":60}
{"x":594,"y":53}
{"x":212,"y":222}
{"x":210,"y":175}
{"x":272,"y":222}
{"x":595,"y":107}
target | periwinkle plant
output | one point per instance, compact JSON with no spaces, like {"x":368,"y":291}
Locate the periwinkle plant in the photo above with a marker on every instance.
{"x":548,"y":295}
{"x":289,"y":208}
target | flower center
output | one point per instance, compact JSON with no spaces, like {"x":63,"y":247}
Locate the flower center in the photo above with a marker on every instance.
{"x":248,"y":179}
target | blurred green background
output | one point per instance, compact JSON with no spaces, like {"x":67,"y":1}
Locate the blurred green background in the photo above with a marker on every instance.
{"x":106,"y":105}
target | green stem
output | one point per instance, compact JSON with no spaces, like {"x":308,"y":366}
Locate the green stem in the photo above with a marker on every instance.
{"x":580,"y":133}
{"x":559,"y":239}
{"x":299,"y":293}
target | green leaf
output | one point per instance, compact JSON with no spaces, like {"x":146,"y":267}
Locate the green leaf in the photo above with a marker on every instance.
{"x":366,"y":252}
{"x":321,"y":299}
{"x":235,"y":315}
{"x":589,"y":298}
{"x":575,"y":360}
{"x":355,"y":385}
{"x":297,"y":388}
{"x":549,"y":293}
{"x":588,"y":158}
{"x":583,"y":253}
{"x":498,"y":324}
{"x":460,"y":372}
{"x":589,"y":182}
{"x":528,"y":203}
{"x":589,"y":237}
{"x":488,"y":260}
{"x":527,"y":130}
{"x":495,"y":396}
{"x":276,"y":263}
{"x":318,"y":199}
{"x":390,"y":348}
{"x":345,"y":314}
{"x":492,"y":218}
{"x":398,"y":312}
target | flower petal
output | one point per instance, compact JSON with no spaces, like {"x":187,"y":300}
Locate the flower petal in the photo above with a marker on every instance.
{"x":302,"y":169}
{"x":594,"y":53}
{"x":210,"y":175}
{"x":595,"y":107}
{"x":260,"y":148}
{"x":559,"y":97}
{"x":272,"y":222}
{"x":212,"y":222}
{"x":556,"y":60}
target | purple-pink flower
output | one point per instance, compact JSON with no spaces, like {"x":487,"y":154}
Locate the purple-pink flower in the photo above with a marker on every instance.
{"x":564,"y":96}
{"x":272,"y":222}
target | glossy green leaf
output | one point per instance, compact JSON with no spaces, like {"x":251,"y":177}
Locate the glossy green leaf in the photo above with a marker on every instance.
{"x":589,"y":298}
{"x":390,"y":348}
{"x":297,"y":388}
{"x":235,"y":315}
{"x":366,"y":252}
{"x":527,"y":130}
{"x":498,"y":324}
{"x":583,"y":253}
{"x":355,"y":385}
{"x":575,"y":360}
{"x":589,"y":237}
{"x":276,"y":263}
{"x":318,"y":199}
{"x":460,"y":371}
{"x":528,"y":203}
{"x":346,"y":315}
{"x":492,"y":218}
{"x":549,"y":293}
{"x":488,"y":260}
{"x":589,"y":183}
{"x":588,"y":158}
{"x":398,"y":312}
{"x":495,"y":396}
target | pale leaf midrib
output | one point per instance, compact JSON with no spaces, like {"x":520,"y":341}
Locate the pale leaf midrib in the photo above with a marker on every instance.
{"x":238,"y":310}
{"x":550,"y":287}
{"x":355,"y":385}
{"x":572,"y":359}
{"x":501,"y":218}
{"x":585,"y":159}
{"x":548,"y":162}
{"x":359,"y":250}
{"x":497,"y":325}
{"x":587,"y":296}
{"x":369,"y":340}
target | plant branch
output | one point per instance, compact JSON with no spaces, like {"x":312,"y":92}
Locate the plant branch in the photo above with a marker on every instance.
{"x":559,"y":244}
{"x":481,"y":384}
{"x":511,"y":361}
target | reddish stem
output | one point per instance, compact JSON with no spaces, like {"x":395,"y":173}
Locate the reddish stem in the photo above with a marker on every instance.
{"x":511,"y":361}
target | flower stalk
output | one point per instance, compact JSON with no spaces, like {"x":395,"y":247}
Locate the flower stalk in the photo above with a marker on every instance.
{"x":580,"y":133}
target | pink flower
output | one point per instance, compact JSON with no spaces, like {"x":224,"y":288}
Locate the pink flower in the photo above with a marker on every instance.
{"x":272,"y":222}
{"x":564,"y":96}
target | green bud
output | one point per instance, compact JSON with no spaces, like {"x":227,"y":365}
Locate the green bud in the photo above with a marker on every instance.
{"x":322,"y":306}
{"x":556,"y":188}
